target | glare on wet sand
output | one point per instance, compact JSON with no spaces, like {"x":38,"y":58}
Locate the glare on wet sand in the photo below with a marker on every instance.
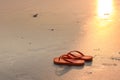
{"x":33,"y":32}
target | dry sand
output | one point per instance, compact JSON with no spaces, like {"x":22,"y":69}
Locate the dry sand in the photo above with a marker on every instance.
{"x":33,"y":32}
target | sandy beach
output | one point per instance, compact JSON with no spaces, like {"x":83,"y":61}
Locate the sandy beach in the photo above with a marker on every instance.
{"x":28,"y":43}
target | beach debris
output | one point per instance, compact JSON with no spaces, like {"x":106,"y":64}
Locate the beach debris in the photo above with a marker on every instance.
{"x":51,"y":29}
{"x":35,"y":15}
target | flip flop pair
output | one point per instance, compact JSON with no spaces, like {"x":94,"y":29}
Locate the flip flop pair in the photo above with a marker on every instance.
{"x":75,"y":58}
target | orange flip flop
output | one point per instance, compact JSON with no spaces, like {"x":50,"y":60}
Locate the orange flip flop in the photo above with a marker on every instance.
{"x":79,"y":55}
{"x":66,"y":60}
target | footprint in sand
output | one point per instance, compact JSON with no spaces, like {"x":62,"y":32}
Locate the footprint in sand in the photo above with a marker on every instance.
{"x":118,"y":52}
{"x":108,"y":64}
{"x":89,"y":72}
{"x":97,"y":49}
{"x":30,"y":43}
{"x":115,"y":58}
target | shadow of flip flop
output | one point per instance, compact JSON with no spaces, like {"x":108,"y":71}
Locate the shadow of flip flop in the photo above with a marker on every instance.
{"x":63,"y":69}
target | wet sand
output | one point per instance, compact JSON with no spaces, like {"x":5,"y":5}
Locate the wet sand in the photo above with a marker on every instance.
{"x":33,"y":32}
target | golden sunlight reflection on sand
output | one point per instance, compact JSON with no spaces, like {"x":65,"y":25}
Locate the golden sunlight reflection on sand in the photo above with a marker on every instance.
{"x":105,"y":12}
{"x":100,"y":28}
{"x":105,"y":8}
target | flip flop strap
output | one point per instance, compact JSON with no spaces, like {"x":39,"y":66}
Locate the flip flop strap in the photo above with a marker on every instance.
{"x":65,"y":57}
{"x":75,"y":51}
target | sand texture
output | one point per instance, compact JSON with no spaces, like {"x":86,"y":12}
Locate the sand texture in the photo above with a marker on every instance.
{"x":33,"y":32}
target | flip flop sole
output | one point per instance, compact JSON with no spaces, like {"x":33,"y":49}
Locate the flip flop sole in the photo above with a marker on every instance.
{"x":72,"y":62}
{"x":87,"y":58}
